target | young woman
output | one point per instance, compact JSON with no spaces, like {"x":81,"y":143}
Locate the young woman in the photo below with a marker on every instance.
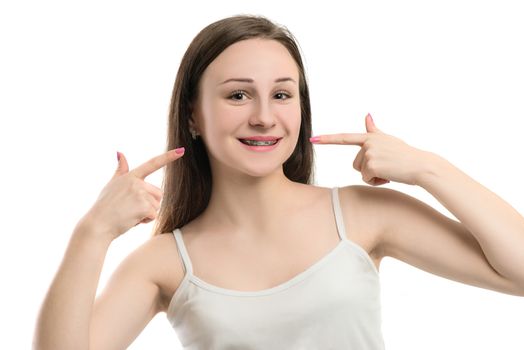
{"x":247,"y":253}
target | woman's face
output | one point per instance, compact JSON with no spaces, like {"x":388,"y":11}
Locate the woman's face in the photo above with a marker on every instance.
{"x":265,"y":103}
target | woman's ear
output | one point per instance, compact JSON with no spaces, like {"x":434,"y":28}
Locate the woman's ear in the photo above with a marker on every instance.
{"x":192,"y":123}
{"x":192,"y":120}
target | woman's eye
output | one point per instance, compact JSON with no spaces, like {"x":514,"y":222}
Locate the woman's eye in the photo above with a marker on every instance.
{"x":283,"y":93}
{"x":238,"y":93}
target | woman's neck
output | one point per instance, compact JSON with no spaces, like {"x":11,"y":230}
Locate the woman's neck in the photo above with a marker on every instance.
{"x":252,"y":205}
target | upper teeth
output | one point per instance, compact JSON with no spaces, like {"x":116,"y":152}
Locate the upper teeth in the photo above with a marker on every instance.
{"x":259,"y":143}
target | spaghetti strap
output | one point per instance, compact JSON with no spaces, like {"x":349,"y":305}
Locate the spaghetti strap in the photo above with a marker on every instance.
{"x":182,"y":251}
{"x":338,"y":214}
{"x":341,"y":289}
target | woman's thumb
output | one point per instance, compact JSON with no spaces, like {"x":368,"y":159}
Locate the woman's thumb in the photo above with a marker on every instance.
{"x":123,"y":167}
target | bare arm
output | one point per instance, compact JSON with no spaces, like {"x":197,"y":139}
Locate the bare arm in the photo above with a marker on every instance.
{"x":63,"y":322}
{"x":71,"y":317}
{"x":409,"y":230}
{"x":133,"y":295}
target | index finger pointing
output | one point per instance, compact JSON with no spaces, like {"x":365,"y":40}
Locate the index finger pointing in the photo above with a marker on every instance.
{"x":341,"y":139}
{"x":157,"y":162}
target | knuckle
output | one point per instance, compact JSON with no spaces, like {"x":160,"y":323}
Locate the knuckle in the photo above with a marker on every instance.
{"x":145,"y":206}
{"x":136,"y":184}
{"x":371,"y":154}
{"x":141,"y":193}
{"x":371,"y":165}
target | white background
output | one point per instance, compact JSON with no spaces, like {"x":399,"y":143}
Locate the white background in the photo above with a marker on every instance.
{"x":81,"y":80}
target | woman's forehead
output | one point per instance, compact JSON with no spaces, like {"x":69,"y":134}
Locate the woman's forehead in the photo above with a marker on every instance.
{"x":254,"y":59}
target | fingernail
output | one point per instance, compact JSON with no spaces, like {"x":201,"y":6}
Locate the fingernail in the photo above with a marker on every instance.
{"x":314,"y":139}
{"x":117,"y":156}
{"x":371,"y":118}
{"x":180,"y":150}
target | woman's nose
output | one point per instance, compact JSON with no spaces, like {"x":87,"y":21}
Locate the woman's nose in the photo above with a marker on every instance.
{"x":263,"y":115}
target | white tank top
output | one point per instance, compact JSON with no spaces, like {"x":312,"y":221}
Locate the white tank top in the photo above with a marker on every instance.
{"x":333,"y":304}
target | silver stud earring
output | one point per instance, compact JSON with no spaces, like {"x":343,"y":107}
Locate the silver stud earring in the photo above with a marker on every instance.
{"x":193,"y":134}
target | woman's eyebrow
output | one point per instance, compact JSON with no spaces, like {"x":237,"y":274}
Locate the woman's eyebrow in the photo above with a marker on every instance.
{"x":249,"y":80}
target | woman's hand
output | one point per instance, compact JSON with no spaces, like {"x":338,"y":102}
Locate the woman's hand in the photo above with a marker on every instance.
{"x":382,"y":157}
{"x":127,"y":200}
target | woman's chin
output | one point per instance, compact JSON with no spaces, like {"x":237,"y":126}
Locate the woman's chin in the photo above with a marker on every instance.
{"x":261,"y":171}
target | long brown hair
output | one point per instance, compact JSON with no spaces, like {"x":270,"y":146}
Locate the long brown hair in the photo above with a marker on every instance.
{"x":187,"y":181}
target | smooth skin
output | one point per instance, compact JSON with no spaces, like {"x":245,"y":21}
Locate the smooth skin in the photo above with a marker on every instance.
{"x":483,"y":249}
{"x":69,"y":317}
{"x":408,"y":230}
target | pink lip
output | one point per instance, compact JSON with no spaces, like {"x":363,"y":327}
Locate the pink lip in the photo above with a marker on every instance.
{"x":260,"y":148}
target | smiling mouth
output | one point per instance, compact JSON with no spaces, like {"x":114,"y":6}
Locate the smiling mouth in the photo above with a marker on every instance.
{"x":258,"y":143}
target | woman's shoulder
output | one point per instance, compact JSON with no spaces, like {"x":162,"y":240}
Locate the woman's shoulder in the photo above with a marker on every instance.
{"x":159,"y":256}
{"x":363,"y":205}
{"x":157,"y":248}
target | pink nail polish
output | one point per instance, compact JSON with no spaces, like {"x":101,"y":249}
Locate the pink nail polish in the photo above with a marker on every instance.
{"x":314,"y":139}
{"x":180,"y":150}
